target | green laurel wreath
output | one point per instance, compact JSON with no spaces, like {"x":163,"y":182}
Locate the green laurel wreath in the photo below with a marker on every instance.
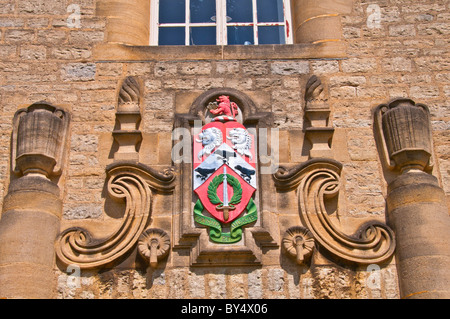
{"x":212,"y":190}
{"x":215,"y":228}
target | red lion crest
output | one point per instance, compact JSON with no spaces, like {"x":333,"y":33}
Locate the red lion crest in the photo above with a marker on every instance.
{"x":225,"y":107}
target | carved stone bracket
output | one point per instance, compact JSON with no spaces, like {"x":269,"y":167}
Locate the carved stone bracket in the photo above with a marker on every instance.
{"x":298,"y":242}
{"x":316,"y":181}
{"x":133,"y":184}
{"x":154,"y":245}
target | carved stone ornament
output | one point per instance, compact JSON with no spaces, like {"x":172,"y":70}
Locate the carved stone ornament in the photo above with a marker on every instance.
{"x":154,"y":245}
{"x":299,"y":243}
{"x":39,"y":134}
{"x":316,"y":181}
{"x":128,"y":117}
{"x":403,"y":129}
{"x":317,"y":112}
{"x":134,"y":184}
{"x":222,"y":220}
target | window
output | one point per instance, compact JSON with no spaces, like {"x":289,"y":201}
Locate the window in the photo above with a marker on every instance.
{"x":222,"y":22}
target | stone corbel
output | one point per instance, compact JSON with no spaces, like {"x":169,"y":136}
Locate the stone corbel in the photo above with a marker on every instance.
{"x":133,"y":184}
{"x":316,"y":181}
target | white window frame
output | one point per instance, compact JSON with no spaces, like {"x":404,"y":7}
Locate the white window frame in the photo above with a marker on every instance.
{"x":221,"y":24}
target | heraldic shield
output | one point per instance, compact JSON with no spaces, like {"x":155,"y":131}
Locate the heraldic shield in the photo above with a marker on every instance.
{"x":224,"y":174}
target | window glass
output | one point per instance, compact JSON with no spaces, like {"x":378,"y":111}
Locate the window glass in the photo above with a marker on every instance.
{"x":240,"y":35}
{"x":172,"y":11}
{"x":270,"y":10}
{"x":202,"y":10}
{"x":271,"y":35}
{"x":202,"y":36}
{"x":171,"y":36}
{"x":239,"y":11}
{"x":220,"y":22}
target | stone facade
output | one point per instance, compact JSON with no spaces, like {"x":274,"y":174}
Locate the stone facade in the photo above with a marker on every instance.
{"x":376,"y":51}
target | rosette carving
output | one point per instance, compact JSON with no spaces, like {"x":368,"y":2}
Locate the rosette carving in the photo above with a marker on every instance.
{"x":130,"y":183}
{"x":154,"y":245}
{"x":299,"y":243}
{"x":317,"y":181}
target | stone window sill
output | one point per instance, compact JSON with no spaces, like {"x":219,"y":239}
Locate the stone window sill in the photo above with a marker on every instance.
{"x":123,"y":52}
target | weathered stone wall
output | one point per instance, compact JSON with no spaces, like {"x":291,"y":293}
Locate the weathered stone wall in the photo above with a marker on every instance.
{"x":404,"y":54}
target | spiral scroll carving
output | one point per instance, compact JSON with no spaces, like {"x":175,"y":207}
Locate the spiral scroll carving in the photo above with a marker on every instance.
{"x":373,"y":242}
{"x":132,"y":185}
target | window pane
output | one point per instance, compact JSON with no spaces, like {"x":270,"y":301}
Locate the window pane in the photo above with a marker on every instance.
{"x":239,"y":11}
{"x":203,"y":36}
{"x":202,"y":10}
{"x":270,"y":11}
{"x":271,"y":35}
{"x":171,"y":36}
{"x":172,"y":11}
{"x":240,"y":35}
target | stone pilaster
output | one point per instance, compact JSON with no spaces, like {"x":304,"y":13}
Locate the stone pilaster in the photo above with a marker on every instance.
{"x":32,"y":208}
{"x":416,"y":204}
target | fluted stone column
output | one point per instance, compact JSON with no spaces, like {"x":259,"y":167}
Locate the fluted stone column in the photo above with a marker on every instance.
{"x":416,"y":204}
{"x":32,"y":208}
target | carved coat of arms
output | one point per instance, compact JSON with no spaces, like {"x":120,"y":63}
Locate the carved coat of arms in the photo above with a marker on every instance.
{"x":224,"y":174}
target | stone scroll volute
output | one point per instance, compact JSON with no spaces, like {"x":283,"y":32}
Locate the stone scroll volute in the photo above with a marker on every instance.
{"x":133,"y":184}
{"x":316,"y":182}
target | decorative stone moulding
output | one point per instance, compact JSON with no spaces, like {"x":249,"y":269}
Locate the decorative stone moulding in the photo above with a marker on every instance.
{"x":134,"y":184}
{"x":39,"y":134}
{"x":316,"y":181}
{"x":403,"y":129}
{"x":228,"y":238}
{"x":298,"y":242}
{"x":128,"y":117}
{"x":154,"y":245}
{"x":317,"y":112}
